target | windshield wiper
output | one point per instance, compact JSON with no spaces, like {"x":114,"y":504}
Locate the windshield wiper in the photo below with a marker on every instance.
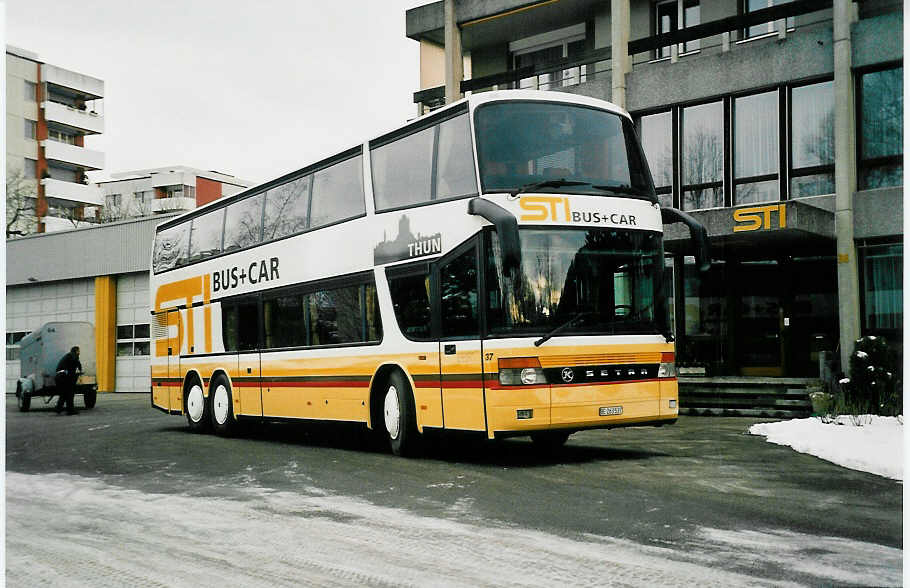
{"x":546,"y":184}
{"x":565,"y":325}
{"x":621,"y":189}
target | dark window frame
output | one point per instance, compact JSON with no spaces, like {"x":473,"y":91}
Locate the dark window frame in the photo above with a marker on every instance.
{"x":861,"y":247}
{"x":794,"y":172}
{"x":864,"y":164}
{"x":782,"y":152}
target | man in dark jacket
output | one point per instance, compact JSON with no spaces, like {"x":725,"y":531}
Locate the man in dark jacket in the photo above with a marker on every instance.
{"x":66,"y":380}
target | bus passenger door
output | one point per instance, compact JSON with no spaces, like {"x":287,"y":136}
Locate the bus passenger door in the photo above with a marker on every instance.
{"x":460,"y":357}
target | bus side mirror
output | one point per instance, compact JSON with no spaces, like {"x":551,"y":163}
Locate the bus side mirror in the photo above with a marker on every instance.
{"x":697,"y":232}
{"x":506,"y":229}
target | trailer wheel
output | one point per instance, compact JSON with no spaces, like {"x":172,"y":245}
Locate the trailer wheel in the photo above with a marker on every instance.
{"x":22,"y":399}
{"x":89,"y":398}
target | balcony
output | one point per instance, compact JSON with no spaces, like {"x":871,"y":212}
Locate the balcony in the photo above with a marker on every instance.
{"x":72,"y":155}
{"x":74,"y":118}
{"x":714,"y":37}
{"x":173,"y":204}
{"x":80,"y":84}
{"x":72,"y":192}
{"x":54,"y":224}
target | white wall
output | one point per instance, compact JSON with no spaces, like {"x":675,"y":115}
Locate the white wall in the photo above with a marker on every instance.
{"x":132,"y":372}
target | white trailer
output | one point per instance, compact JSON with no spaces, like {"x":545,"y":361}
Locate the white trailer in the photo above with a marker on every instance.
{"x":40,"y":352}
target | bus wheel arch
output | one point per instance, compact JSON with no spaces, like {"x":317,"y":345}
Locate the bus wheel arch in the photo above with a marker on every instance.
{"x":195,"y":404}
{"x":392,"y":409}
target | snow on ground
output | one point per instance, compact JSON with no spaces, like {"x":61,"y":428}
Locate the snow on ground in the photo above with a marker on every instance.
{"x":877,"y":446}
{"x":65,"y":530}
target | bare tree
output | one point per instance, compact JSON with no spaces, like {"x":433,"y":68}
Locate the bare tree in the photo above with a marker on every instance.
{"x":21,"y":196}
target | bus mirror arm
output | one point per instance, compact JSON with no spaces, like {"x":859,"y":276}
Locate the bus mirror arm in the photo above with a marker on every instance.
{"x":506,"y":228}
{"x":697,"y":232}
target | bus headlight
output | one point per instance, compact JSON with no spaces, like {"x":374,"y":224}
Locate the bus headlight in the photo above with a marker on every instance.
{"x":521,"y":371}
{"x":667,"y":370}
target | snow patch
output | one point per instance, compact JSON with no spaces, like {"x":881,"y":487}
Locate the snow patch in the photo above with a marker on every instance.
{"x":867,"y":443}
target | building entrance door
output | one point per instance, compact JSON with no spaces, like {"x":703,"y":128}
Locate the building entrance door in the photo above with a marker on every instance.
{"x":761,"y":322}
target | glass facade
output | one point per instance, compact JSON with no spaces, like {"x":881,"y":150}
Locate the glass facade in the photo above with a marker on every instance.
{"x":812,"y":140}
{"x":881,"y":122}
{"x":703,"y":156}
{"x":656,"y":136}
{"x":882,"y":268}
{"x":755,"y":152}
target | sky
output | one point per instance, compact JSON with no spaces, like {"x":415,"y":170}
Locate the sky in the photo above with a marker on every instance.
{"x":254,"y":90}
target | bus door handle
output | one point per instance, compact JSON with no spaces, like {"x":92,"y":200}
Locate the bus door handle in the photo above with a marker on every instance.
{"x":449,"y":349}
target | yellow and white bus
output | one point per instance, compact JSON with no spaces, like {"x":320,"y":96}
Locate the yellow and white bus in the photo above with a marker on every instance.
{"x":495,"y":266}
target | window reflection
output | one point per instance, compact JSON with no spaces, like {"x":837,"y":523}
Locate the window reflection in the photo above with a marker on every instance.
{"x":243,"y":225}
{"x":286,"y":209}
{"x":656,"y":132}
{"x":812,"y":140}
{"x":703,"y":156}
{"x":756,"y":160}
{"x":882,"y":135}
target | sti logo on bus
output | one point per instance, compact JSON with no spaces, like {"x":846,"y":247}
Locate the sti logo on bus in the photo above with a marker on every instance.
{"x":557,"y":208}
{"x":257,"y":272}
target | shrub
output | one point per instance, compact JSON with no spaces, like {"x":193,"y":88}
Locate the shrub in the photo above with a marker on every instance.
{"x":875,"y":382}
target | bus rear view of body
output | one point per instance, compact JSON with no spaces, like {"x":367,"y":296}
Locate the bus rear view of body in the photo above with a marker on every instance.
{"x":495,"y":266}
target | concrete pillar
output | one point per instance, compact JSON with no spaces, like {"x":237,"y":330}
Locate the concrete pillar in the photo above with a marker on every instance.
{"x":454,"y":59}
{"x":620,"y":24}
{"x":845,"y":181}
{"x":105,"y":332}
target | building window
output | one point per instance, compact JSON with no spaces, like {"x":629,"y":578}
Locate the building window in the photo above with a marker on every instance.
{"x":132,"y":340}
{"x":61,"y":137}
{"x":881,"y":137}
{"x":756,"y":148}
{"x":31,"y":91}
{"x":668,"y":16}
{"x":812,"y":140}
{"x":882,"y":268}
{"x":768,"y":27}
{"x":12,"y":344}
{"x":656,"y":132}
{"x":113,"y":200}
{"x":540,"y":50}
{"x":31,"y":129}
{"x":703,"y":156}
{"x":30,"y":169}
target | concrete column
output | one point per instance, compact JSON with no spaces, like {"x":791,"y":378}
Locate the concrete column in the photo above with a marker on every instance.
{"x":845,"y":181}
{"x":454,"y":59}
{"x":620,"y":24}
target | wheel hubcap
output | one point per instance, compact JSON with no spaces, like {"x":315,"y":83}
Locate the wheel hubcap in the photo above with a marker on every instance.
{"x":195,"y":403}
{"x":220,"y":404}
{"x":392,"y":412}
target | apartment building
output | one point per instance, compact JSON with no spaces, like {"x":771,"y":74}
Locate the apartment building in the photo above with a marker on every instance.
{"x":778,"y":125}
{"x":175,"y":188}
{"x":49,"y":113}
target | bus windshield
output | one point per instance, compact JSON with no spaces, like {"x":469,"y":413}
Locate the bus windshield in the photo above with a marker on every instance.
{"x":520,"y":144}
{"x":581,"y":281}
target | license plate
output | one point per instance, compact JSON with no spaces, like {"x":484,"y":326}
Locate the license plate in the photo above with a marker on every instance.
{"x":610,"y":410}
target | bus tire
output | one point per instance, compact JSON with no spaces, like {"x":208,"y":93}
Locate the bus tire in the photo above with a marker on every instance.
{"x":196,"y":408}
{"x":89,"y":398}
{"x":22,"y":399}
{"x":549,"y":441}
{"x":222,"y":407}
{"x":399,"y":416}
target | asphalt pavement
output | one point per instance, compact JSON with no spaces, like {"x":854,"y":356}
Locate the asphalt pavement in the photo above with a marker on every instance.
{"x":702,"y":502}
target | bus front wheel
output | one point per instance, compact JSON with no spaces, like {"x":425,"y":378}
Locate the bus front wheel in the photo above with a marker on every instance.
{"x":399,"y":415}
{"x":222,"y":408}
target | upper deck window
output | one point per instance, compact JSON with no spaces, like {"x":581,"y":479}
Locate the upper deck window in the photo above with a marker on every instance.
{"x":171,"y":247}
{"x":243,"y":225}
{"x":436,"y":163}
{"x":337,"y":193}
{"x":205,"y":235}
{"x":523,"y":143}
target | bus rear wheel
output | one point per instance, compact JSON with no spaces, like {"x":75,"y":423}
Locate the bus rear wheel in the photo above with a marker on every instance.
{"x":399,"y":416}
{"x":222,"y":407}
{"x":196,"y":408}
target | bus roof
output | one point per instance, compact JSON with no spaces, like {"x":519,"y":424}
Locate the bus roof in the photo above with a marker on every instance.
{"x":472,"y":102}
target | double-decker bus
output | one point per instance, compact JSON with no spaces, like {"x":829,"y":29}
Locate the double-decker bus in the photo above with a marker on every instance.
{"x":494,"y":266}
